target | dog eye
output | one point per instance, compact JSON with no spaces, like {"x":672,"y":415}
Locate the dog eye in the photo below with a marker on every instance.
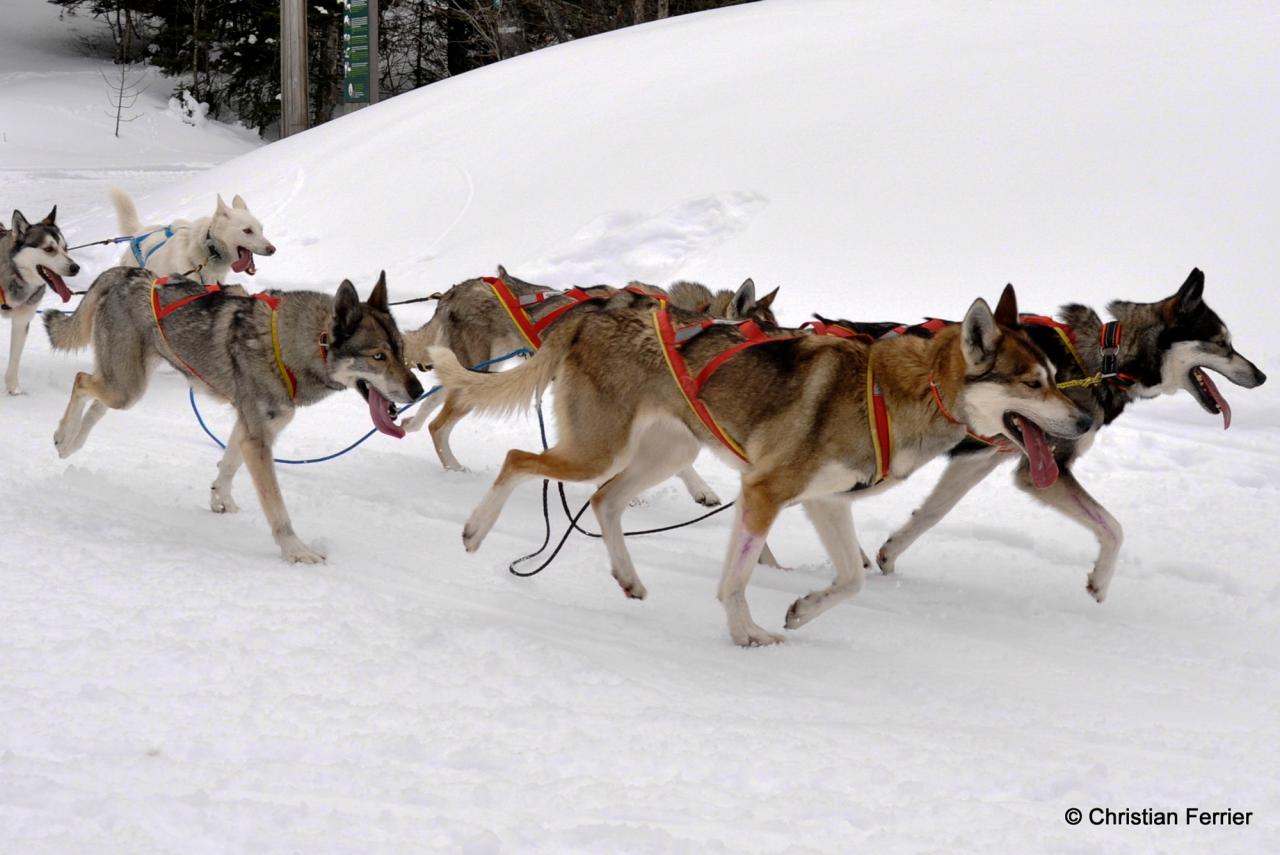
{"x":50,"y":250}
{"x":248,"y":231}
{"x":1033,"y":384}
{"x":380,"y":356}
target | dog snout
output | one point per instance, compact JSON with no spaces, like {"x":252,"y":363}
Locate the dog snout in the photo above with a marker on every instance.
{"x":270,"y":250}
{"x":414,"y":388}
{"x":1258,"y":377}
{"x":75,"y":268}
{"x":1084,"y":422}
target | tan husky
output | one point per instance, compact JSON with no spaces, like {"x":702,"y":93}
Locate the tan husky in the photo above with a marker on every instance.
{"x":812,"y":418}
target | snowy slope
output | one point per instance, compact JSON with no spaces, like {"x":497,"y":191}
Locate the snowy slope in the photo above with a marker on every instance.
{"x":170,"y":685}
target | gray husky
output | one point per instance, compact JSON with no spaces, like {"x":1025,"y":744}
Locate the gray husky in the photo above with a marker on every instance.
{"x":31,"y":257}
{"x":1161,"y":348}
{"x":266,"y":355}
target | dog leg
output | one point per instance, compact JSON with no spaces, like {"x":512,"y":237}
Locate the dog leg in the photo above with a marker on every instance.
{"x":1072,"y":500}
{"x":659,"y":454}
{"x":833,"y":519}
{"x":962,"y":474}
{"x":220,"y":501}
{"x":75,"y":426}
{"x":257,"y":457}
{"x":419,"y":420}
{"x":72,"y":417}
{"x":558,"y":464}
{"x":442,"y":426}
{"x":18,"y":330}
{"x":698,"y":489}
{"x":754,"y":514}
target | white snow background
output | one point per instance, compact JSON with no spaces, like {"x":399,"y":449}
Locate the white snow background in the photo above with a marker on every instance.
{"x":167,"y":684}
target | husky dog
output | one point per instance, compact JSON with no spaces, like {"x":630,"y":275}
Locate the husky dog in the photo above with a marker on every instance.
{"x":797,"y":406}
{"x":471,"y":322}
{"x":31,"y":257}
{"x":207,"y":248}
{"x":1164,"y":348}
{"x":265,"y":355}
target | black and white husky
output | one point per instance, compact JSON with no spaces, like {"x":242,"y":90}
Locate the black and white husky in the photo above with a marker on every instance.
{"x":1161,"y":348}
{"x":32,"y":257}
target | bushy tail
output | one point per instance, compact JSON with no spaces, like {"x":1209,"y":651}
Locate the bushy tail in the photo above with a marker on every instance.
{"x":691,"y":296}
{"x":126,"y":213}
{"x":502,"y":392}
{"x":74,"y":331}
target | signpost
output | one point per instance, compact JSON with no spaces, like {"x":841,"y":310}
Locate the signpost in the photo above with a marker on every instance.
{"x":360,"y":53}
{"x":293,"y":67}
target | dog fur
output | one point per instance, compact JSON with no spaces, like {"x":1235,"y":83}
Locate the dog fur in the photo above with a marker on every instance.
{"x":33,"y":258}
{"x":208,"y":248}
{"x":1163,"y":345}
{"x":797,"y":406}
{"x":329,"y":342}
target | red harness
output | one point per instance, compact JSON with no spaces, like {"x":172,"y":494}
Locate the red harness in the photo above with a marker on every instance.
{"x":532,"y":330}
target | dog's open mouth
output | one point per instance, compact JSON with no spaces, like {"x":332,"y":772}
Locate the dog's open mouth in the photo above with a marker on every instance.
{"x":55,"y":282}
{"x":382,"y":411}
{"x":1206,"y":392}
{"x":244,"y":262}
{"x":1028,"y":435}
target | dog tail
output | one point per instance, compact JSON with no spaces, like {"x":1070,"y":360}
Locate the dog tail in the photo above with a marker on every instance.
{"x":126,"y":212}
{"x":691,"y":296}
{"x":502,"y":392}
{"x":74,"y":331}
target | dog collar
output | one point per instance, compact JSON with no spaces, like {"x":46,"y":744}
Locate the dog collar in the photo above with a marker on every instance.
{"x":997,"y":441}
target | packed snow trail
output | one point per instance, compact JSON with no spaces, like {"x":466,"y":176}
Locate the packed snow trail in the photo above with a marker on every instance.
{"x":169,"y":685}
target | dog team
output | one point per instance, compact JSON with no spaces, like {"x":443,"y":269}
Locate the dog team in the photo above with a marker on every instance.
{"x":644,"y":378}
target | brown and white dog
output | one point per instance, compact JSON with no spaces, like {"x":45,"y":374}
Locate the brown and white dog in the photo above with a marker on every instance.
{"x":797,"y":407}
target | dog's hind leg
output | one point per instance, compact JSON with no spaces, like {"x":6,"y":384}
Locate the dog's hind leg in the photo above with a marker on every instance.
{"x":757,"y":508}
{"x":76,"y":424}
{"x":443,"y":425}
{"x":220,"y":501}
{"x":660,"y":452}
{"x":963,"y":473}
{"x":1072,"y":500}
{"x":418,"y":420}
{"x":833,"y":519}
{"x":18,"y":330}
{"x":256,"y":450}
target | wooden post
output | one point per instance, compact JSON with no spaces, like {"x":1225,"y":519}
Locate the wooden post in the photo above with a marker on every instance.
{"x":293,"y":67}
{"x":373,"y":51}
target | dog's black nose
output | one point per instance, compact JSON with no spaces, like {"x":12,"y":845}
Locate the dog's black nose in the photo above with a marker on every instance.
{"x":1083,"y":423}
{"x":1259,"y":378}
{"x":414,"y":388}
{"x":270,"y":250}
{"x":75,"y":268}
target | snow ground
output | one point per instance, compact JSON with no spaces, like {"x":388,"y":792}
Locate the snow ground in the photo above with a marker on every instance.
{"x":169,"y":685}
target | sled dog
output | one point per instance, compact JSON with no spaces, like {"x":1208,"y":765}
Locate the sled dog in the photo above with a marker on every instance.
{"x":206,"y":249}
{"x":807,"y":418}
{"x":471,"y":322}
{"x":1160,"y":348}
{"x":265,"y":355}
{"x":32,"y":256}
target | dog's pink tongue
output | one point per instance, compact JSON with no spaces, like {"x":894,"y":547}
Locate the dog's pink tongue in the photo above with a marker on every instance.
{"x":59,"y":287}
{"x":1044,"y":469}
{"x":1212,"y":389}
{"x":380,"y":412}
{"x":244,"y":262}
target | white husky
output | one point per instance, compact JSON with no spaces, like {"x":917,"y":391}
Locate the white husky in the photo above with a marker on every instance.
{"x":206,"y":249}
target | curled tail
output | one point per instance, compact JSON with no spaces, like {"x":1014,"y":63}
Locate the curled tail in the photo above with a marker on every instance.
{"x":126,"y":212}
{"x":74,"y":331}
{"x":502,"y":392}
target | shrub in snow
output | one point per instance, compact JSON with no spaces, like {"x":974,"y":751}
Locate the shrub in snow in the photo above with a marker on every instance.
{"x":189,"y":110}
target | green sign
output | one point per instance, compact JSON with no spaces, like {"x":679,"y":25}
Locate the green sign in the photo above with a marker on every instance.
{"x":355,"y":52}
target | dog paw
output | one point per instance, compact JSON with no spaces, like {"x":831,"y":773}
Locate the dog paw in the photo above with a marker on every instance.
{"x":302,"y":554}
{"x":754,"y":636}
{"x":883,"y":561}
{"x":472,"y":537}
{"x":634,"y":589}
{"x":15,"y":391}
{"x":707,"y":499}
{"x":455,"y":466}
{"x":222,"y":503}
{"x":802,"y":611}
{"x":1098,"y":592}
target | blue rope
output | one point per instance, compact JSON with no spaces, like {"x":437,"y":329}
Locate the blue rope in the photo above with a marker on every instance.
{"x":524,"y":351}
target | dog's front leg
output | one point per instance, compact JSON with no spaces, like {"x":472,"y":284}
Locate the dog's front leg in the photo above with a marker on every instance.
{"x":19,"y":328}
{"x":1067,"y":496}
{"x":963,"y":473}
{"x":832,"y":517}
{"x":698,"y":489}
{"x":220,"y":501}
{"x":753,"y":516}
{"x":257,"y":457}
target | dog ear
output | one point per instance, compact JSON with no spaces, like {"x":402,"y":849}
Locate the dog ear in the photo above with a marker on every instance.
{"x":222,"y":210}
{"x":767,"y":300}
{"x":744,"y":300}
{"x":238,"y":203}
{"x":979,"y":335}
{"x":503,"y":274}
{"x":1007,"y":308}
{"x":346,"y":311}
{"x":378,"y":296}
{"x":1190,"y":297}
{"x":19,"y":225}
{"x":52,"y":218}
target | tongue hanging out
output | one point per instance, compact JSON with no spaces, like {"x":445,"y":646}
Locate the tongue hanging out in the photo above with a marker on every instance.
{"x":382,"y":412}
{"x":244,"y":262}
{"x":1044,"y":469}
{"x":1211,"y":389}
{"x":55,"y":282}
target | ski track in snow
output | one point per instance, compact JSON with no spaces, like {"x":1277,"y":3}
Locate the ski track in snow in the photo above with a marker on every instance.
{"x":169,"y":685}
